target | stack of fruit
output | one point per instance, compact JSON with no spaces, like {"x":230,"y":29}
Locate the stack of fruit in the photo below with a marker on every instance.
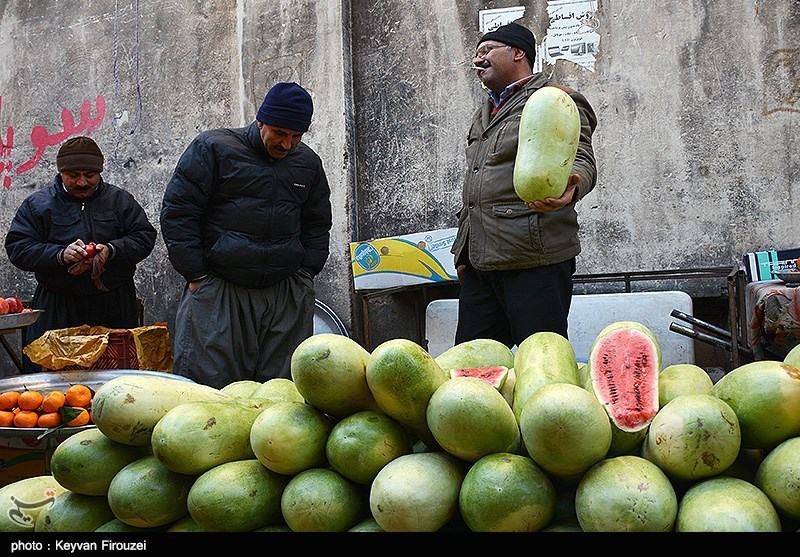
{"x":392,"y":440}
{"x":12,"y":304}
{"x":49,"y":409}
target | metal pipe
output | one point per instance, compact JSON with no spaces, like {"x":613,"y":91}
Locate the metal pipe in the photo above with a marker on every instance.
{"x":691,"y":333}
{"x":697,"y":322}
{"x":709,"y":339}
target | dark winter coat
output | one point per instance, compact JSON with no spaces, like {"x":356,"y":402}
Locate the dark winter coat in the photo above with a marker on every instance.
{"x":232,"y":210}
{"x":50,"y":218}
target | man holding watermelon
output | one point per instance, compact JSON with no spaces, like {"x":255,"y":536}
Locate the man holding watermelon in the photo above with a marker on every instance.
{"x":515,"y":259}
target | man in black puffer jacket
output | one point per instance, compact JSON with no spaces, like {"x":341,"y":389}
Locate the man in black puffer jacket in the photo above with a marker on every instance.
{"x":246,"y":219}
{"x":49,"y":236}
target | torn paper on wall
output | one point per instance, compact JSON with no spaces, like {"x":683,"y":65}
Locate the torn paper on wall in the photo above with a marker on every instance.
{"x":489,"y":20}
{"x":572,"y":32}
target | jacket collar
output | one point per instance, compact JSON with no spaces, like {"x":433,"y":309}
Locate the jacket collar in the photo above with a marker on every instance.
{"x":520,"y":97}
{"x":61,"y":191}
{"x":253,"y":135}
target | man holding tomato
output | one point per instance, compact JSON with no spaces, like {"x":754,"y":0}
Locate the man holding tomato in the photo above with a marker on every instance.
{"x":82,"y":238}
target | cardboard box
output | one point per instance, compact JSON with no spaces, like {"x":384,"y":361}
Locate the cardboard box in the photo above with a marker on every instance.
{"x":419,"y":258}
{"x":760,"y":265}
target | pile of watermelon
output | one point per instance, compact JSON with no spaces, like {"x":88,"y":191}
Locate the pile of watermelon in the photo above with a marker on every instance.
{"x":480,"y":438}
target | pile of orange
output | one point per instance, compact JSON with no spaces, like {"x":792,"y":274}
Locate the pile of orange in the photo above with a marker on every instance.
{"x":33,"y":408}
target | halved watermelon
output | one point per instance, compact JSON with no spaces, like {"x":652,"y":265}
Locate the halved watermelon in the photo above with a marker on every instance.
{"x":624,"y":364}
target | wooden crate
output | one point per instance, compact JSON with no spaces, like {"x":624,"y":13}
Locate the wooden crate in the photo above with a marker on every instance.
{"x":120,"y":353}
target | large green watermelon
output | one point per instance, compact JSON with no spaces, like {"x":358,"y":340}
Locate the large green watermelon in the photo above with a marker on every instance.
{"x":549,"y":132}
{"x":626,"y":494}
{"x":766,"y":398}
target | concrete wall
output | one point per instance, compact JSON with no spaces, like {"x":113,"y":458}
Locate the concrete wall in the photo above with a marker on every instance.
{"x":142,"y":79}
{"x":697,"y":102}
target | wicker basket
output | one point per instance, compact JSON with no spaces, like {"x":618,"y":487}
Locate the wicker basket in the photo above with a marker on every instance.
{"x":120,"y":353}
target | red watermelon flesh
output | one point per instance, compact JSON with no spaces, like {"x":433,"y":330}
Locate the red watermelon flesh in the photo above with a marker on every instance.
{"x":624,"y":369}
{"x":494,"y":375}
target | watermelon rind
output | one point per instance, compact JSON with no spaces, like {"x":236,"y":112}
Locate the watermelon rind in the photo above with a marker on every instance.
{"x":479,"y":352}
{"x":626,"y":494}
{"x":724,"y":504}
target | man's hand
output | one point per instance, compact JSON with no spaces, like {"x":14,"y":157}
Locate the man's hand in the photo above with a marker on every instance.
{"x":551,"y":203}
{"x":78,"y":258}
{"x":82,"y":262}
{"x":80,"y":267}
{"x":75,"y":252}
{"x":460,"y":272}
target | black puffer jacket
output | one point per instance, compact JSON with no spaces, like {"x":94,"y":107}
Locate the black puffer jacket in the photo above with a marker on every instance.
{"x":49,"y":219}
{"x":232,"y":210}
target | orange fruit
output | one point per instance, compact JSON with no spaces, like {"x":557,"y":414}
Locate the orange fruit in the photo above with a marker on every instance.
{"x":75,"y":420}
{"x":30,"y":400}
{"x":6,"y":418}
{"x":26,"y":418}
{"x":53,"y":401}
{"x":8,"y":399}
{"x":3,"y":306}
{"x":49,"y":419}
{"x":79,"y":396}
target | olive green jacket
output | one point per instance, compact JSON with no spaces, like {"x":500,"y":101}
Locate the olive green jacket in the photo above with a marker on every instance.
{"x":495,"y":228}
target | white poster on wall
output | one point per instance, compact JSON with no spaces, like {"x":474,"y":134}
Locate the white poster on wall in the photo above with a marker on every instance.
{"x":572,"y":32}
{"x":489,"y":20}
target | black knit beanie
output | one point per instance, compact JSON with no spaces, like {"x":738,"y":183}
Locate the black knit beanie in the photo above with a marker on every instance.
{"x":80,"y":153}
{"x":514,"y":34}
{"x":287,"y":105}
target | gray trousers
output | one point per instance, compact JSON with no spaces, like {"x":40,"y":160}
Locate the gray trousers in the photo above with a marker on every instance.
{"x":226,"y":333}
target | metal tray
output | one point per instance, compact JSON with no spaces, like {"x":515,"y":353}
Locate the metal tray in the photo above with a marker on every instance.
{"x":49,"y":380}
{"x":326,"y":320}
{"x":17,"y":320}
{"x":791,"y":278}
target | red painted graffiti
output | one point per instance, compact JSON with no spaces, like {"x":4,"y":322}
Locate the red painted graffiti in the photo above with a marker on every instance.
{"x":41,"y":139}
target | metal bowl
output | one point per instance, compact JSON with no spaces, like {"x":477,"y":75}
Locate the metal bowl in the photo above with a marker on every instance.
{"x":46,"y":381}
{"x":22,"y":319}
{"x":791,"y":278}
{"x":326,"y":320}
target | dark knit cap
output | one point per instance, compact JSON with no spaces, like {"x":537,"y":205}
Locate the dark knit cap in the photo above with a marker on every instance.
{"x":514,"y":34}
{"x":287,"y":105}
{"x":80,"y":153}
